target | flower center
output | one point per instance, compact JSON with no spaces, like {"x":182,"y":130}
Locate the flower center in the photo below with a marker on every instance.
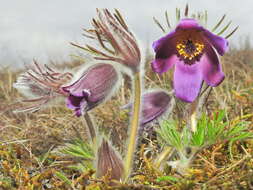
{"x":190,"y":50}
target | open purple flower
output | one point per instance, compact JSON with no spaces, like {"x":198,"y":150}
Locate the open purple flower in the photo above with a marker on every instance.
{"x":92,"y":88}
{"x":193,"y":50}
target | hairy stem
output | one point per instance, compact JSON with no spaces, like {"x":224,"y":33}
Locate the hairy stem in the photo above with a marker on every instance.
{"x":197,"y":107}
{"x":134,"y":126}
{"x":193,"y":122}
{"x":91,"y":127}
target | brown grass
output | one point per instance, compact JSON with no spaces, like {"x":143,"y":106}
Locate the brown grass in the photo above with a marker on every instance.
{"x":25,"y":138}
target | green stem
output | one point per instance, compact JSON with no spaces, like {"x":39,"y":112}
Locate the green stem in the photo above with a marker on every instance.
{"x":134,"y":126}
{"x":91,"y":127}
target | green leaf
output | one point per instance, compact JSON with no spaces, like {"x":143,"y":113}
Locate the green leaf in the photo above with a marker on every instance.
{"x":186,"y":137}
{"x":81,"y":167}
{"x":170,"y":135}
{"x":62,"y":177}
{"x":167,"y":178}
{"x":199,"y":136}
{"x":79,"y":148}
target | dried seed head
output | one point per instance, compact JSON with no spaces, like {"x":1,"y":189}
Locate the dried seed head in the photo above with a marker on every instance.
{"x":94,"y":86}
{"x":116,"y":41}
{"x":40,"y":85}
{"x":109,"y":162}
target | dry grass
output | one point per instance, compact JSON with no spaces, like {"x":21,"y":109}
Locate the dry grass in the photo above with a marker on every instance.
{"x":26,"y":139}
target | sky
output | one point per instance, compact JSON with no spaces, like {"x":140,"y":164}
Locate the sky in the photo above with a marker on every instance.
{"x":42,"y":30}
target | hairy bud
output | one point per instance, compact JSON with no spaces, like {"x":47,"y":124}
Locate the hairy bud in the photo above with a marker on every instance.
{"x":109,"y":162}
{"x":93,"y":87}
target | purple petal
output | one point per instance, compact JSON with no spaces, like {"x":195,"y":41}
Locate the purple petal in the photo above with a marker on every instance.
{"x":155,"y":104}
{"x":78,"y":112}
{"x":163,"y":65}
{"x":187,"y":81}
{"x":161,"y":42}
{"x":188,"y":23}
{"x":211,"y":68}
{"x":83,"y":107}
{"x":73,"y":101}
{"x":78,"y":104}
{"x":165,"y":46}
{"x":219,"y":43}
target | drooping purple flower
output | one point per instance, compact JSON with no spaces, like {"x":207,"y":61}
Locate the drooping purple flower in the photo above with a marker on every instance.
{"x":194,"y":52}
{"x":92,"y":88}
{"x":109,"y":162}
{"x":154,"y":105}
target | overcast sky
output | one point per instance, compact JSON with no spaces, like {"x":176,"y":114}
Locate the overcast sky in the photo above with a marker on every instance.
{"x":42,"y":29}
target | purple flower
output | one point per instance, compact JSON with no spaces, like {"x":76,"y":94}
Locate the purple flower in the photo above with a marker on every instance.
{"x":154,"y":105}
{"x":193,"y":50}
{"x":109,"y":162}
{"x":92,"y":88}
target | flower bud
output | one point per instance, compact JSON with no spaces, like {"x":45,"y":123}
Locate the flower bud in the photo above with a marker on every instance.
{"x":109,"y":162}
{"x":92,"y":88}
{"x":154,"y":105}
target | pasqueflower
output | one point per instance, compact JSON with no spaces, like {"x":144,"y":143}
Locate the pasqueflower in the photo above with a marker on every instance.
{"x":193,"y":50}
{"x":93,"y":87}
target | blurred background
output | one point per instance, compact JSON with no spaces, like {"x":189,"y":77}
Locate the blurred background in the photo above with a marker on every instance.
{"x":42,"y":30}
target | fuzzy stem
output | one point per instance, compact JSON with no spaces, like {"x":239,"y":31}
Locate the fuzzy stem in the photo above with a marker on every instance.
{"x":193,"y":122}
{"x":197,"y":107}
{"x":134,"y":126}
{"x":91,"y":127}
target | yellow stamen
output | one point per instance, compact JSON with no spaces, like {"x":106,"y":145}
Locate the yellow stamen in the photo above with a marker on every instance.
{"x":182,"y":49}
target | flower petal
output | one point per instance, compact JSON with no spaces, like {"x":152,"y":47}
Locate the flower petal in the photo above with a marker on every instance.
{"x":165,"y":46}
{"x":78,"y":112}
{"x":78,"y":104}
{"x":73,"y":101}
{"x":187,"y":81}
{"x":211,"y":68}
{"x":188,"y":23}
{"x":163,"y":65}
{"x":155,"y":104}
{"x":219,"y":43}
